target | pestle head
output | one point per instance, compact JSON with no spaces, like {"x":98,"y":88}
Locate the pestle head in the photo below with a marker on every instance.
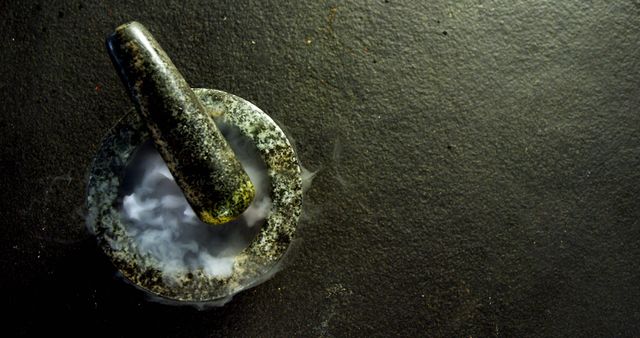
{"x":198,"y":156}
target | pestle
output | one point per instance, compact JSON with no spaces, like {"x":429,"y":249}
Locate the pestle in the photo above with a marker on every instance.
{"x":202,"y":163}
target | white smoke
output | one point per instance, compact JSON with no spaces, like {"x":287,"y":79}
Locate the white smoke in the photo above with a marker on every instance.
{"x":163,"y":225}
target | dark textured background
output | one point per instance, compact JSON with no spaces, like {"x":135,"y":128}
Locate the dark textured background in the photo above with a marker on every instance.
{"x":478,"y":163}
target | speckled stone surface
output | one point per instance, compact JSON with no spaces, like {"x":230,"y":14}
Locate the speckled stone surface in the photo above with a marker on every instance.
{"x":255,"y":263}
{"x":201,"y":161}
{"x":479,"y":183}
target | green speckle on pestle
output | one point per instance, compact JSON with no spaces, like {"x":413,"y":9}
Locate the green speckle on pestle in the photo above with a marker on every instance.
{"x":199,"y":158}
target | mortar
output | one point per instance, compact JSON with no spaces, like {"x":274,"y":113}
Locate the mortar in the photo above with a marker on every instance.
{"x":261,"y":257}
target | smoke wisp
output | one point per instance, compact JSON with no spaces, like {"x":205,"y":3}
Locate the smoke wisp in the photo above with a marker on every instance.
{"x":163,"y":225}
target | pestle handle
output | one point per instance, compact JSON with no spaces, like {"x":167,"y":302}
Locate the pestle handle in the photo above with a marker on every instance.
{"x":202,"y":163}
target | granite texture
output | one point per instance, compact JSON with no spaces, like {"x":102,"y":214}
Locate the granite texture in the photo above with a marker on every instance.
{"x":258,"y":262}
{"x":204,"y":166}
{"x":478,"y":164}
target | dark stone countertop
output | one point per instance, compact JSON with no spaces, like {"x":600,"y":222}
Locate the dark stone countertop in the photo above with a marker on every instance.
{"x":477,"y":164}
